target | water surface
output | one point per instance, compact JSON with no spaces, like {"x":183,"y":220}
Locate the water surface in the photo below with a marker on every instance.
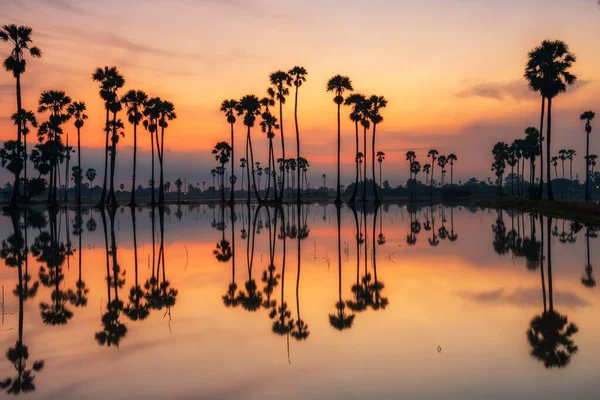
{"x":209,"y":302}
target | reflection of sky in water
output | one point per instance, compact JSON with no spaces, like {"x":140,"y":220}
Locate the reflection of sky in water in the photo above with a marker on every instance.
{"x":458,"y":294}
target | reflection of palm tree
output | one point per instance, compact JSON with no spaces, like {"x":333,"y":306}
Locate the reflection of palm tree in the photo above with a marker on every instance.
{"x":433,"y":240}
{"x":453,"y":235}
{"x":588,"y":280}
{"x":251,"y":299}
{"x":283,"y":323}
{"x":230,"y":297}
{"x":136,"y":309}
{"x":301,"y":332}
{"x":112,"y":329}
{"x":550,"y":333}
{"x":339,"y":320}
{"x":377,"y":287}
{"x":19,"y":354}
{"x":79,"y":297}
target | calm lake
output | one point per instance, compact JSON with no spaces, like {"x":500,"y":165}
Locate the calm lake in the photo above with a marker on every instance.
{"x":210,"y":302}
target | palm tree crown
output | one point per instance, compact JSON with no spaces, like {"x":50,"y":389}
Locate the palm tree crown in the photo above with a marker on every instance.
{"x":20,"y":38}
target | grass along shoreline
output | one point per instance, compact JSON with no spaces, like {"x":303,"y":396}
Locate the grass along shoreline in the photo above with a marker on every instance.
{"x":572,"y":210}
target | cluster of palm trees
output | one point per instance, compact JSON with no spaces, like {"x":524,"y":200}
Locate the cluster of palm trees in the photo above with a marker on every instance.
{"x":547,"y":72}
{"x":414,"y":167}
{"x":365,"y":111}
{"x":52,"y":150}
{"x":249,"y":107}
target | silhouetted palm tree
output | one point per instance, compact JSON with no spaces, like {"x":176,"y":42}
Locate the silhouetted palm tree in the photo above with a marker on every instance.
{"x":281,"y":82}
{"x":554,"y":161}
{"x":587,"y":116}
{"x":358,"y":103}
{"x":222,"y":152}
{"x":77,"y":111}
{"x":377,"y":103}
{"x":298,"y":75}
{"x":19,"y":38}
{"x":380,"y":157}
{"x":433,"y":154}
{"x":56,"y":102}
{"x":25,"y":118}
{"x":110,"y":81}
{"x":249,"y":107}
{"x":228,"y":107}
{"x":267,"y":125}
{"x":90,"y":174}
{"x":166,"y":112}
{"x":339,"y":84}
{"x":134,"y":101}
{"x":547,"y":72}
{"x":452,"y":159}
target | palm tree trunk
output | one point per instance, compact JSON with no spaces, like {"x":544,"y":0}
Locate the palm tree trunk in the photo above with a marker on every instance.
{"x":132,"y":201}
{"x":252,"y":163}
{"x":232,"y":195}
{"x":354,"y":191}
{"x":80,"y":177}
{"x":152,"y":201}
{"x":298,"y":140}
{"x":373,"y":162}
{"x":67,"y":170}
{"x":16,"y":188}
{"x":161,"y":194}
{"x":587,"y":167}
{"x":548,"y":152}
{"x":549,"y":258}
{"x":541,"y":192}
{"x":25,"y":182}
{"x":451,"y":174}
{"x":364,"y":194}
{"x":282,"y":146}
{"x":380,"y":177}
{"x":112,"y":198}
{"x":104,"y":183}
{"x":338,"y":197}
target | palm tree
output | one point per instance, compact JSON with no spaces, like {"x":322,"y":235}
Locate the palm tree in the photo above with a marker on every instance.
{"x":562,"y":155}
{"x":110,"y":81}
{"x":377,"y":102}
{"x":151,"y":112}
{"x":90,"y":174}
{"x":56,"y":102}
{"x":358,"y":103}
{"x":19,"y":38}
{"x":587,"y":116}
{"x":267,"y":125}
{"x":249,"y":107}
{"x":554,"y":161}
{"x":426,"y":169}
{"x":228,"y":107}
{"x":547,"y":72}
{"x":366,"y":124}
{"x":380,"y":157}
{"x":77,"y":110}
{"x":243,"y":166}
{"x":410,"y":157}
{"x":442,"y":162}
{"x":134,"y":101}
{"x":298,"y":76}
{"x":433,"y":154}
{"x":222,"y":152}
{"x":25,"y":118}
{"x":451,"y":159}
{"x":281,"y":82}
{"x":339,"y":84}
{"x":166,"y":113}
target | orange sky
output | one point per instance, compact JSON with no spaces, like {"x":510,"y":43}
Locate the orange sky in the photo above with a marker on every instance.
{"x":450,"y":70}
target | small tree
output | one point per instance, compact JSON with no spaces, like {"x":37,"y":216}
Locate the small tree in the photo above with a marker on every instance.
{"x":90,"y":174}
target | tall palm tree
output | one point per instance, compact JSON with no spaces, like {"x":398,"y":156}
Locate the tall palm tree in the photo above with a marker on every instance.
{"x":166,"y":113}
{"x":366,"y":124}
{"x":267,"y":125}
{"x":222,"y":152}
{"x":433,"y":154}
{"x":358,"y":103}
{"x":134,"y":102}
{"x":19,"y":38}
{"x":56,"y":102}
{"x":110,"y":81}
{"x":554,"y":161}
{"x":249,"y":107}
{"x":587,"y":116}
{"x":451,"y":159}
{"x":77,"y":110}
{"x":228,"y":108}
{"x":547,"y":72}
{"x":380,"y":157}
{"x":426,"y":168}
{"x":339,"y":84}
{"x":25,"y":118}
{"x":442,"y":162}
{"x":298,"y":75}
{"x":377,"y":102}
{"x":281,"y":82}
{"x":562,"y":155}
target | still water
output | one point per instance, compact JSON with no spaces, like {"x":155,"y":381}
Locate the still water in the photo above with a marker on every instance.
{"x":209,"y":302}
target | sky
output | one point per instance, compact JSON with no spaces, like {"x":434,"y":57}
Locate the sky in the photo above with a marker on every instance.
{"x":451,"y":71}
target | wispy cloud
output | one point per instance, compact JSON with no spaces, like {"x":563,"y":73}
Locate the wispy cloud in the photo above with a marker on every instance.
{"x":515,"y":90}
{"x":523,"y":297}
